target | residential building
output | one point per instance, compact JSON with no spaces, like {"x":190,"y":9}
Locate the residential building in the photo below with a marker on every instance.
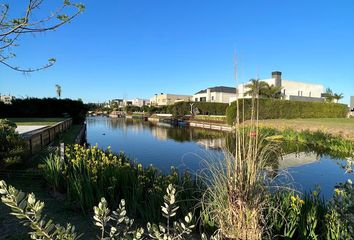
{"x":140,"y":102}
{"x":352,"y":105}
{"x":291,"y":90}
{"x":119,"y":103}
{"x":219,"y":94}
{"x":7,"y":99}
{"x":164,"y":99}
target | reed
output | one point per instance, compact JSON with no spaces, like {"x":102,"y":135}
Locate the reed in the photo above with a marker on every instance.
{"x":237,"y":185}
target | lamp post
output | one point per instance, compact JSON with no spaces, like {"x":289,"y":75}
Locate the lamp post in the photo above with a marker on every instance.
{"x":191,"y":108}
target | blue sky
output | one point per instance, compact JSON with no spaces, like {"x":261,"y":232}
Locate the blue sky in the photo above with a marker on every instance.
{"x":134,"y":48}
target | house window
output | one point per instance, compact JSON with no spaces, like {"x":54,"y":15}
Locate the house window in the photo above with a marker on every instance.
{"x":284,"y":92}
{"x":196,"y":99}
{"x":203,"y":99}
{"x":298,"y":93}
{"x":212,"y":98}
{"x":310,"y":94}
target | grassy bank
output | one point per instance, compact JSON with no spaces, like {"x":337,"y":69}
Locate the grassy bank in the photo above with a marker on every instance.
{"x":343,"y":127}
{"x":36,"y":121}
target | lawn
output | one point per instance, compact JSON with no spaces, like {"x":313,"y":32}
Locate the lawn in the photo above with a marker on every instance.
{"x":337,"y":126}
{"x":36,"y":121}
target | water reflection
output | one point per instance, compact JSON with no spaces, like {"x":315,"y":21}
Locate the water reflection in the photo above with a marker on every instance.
{"x":185,"y":148}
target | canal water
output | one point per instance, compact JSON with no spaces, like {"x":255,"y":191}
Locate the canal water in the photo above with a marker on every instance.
{"x":164,"y":146}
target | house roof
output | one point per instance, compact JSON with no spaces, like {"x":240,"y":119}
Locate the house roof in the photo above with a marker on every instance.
{"x":219,"y":89}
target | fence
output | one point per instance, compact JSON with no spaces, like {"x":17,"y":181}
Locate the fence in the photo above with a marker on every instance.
{"x":38,"y":139}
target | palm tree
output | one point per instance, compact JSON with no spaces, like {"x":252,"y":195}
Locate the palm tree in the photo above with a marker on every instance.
{"x":58,"y":90}
{"x":328,"y":95}
{"x":271,"y":91}
{"x":338,"y":97}
{"x":255,"y":87}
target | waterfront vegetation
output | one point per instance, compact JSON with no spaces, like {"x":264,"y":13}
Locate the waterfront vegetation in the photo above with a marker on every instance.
{"x":247,"y":207}
{"x":230,"y":199}
{"x":87,"y":174}
{"x":212,"y":118}
{"x":282,"y":109}
{"x":341,"y":127}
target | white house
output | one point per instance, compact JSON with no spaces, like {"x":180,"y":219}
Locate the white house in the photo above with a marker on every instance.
{"x":291,"y":90}
{"x":164,"y":99}
{"x":219,"y":94}
{"x":7,"y":99}
{"x":140,"y":102}
{"x":352,"y":105}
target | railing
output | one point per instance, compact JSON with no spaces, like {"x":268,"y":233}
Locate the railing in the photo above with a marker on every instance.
{"x":38,"y":139}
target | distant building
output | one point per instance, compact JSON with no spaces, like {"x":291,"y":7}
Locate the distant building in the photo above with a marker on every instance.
{"x":163,"y":99}
{"x":352,"y":105}
{"x":291,"y":90}
{"x":219,"y":94}
{"x":7,"y":99}
{"x":140,"y":102}
{"x":117,"y":102}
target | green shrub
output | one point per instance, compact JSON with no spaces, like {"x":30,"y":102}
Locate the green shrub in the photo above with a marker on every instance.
{"x":12,"y":146}
{"x":204,"y":108}
{"x":284,"y":109}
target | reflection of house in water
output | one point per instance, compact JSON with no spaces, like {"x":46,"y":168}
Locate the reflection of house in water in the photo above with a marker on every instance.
{"x":298,"y":159}
{"x":216,"y":143}
{"x":160,"y":133}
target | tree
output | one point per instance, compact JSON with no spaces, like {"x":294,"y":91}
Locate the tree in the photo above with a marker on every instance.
{"x":328,"y":95}
{"x":13,"y":28}
{"x":332,"y":97}
{"x":338,"y":97}
{"x":258,"y":88}
{"x":271,"y":91}
{"x":58,"y":90}
{"x":255,"y":87}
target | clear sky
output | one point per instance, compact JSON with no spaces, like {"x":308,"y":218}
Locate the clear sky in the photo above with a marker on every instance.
{"x":131,"y":48}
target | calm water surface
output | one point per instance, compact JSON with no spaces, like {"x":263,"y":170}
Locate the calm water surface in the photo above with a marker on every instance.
{"x":186,"y":148}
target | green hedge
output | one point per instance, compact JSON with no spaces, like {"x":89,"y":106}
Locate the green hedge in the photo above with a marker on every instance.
{"x":44,"y":108}
{"x":284,"y":109}
{"x":205,"y":108}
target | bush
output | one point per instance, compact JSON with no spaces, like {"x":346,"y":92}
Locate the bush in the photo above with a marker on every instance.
{"x":204,"y":108}
{"x":12,"y":146}
{"x":45,"y":107}
{"x":284,"y":109}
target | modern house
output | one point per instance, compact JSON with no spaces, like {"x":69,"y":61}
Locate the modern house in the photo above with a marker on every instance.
{"x":164,"y":99}
{"x":291,"y":90}
{"x":6,"y":99}
{"x":219,"y":94}
{"x":352,"y":105}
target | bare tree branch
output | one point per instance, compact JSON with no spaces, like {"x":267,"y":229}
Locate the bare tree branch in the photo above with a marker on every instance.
{"x":12,"y":29}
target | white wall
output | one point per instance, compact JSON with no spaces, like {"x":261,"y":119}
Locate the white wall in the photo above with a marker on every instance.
{"x":290,"y":88}
{"x":301,"y":89}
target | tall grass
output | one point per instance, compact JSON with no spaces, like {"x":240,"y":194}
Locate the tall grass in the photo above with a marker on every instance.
{"x":237,"y":185}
